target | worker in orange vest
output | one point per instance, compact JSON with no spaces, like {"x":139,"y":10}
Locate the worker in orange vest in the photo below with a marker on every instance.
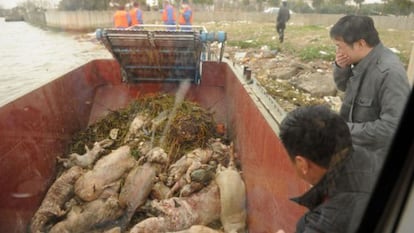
{"x":186,"y":15}
{"x":136,"y":14}
{"x":122,"y":19}
{"x":168,"y":14}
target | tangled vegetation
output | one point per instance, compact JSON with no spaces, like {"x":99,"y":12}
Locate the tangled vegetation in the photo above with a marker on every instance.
{"x":190,"y":127}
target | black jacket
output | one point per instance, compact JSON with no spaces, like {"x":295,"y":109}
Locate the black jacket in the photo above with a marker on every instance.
{"x":337,"y":203}
{"x":284,"y":15}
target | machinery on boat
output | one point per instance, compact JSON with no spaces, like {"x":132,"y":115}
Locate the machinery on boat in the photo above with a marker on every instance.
{"x":160,"y":53}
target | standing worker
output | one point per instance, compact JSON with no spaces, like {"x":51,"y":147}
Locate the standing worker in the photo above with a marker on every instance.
{"x":136,"y":14}
{"x":122,"y":19}
{"x":168,"y":14}
{"x":282,"y":17}
{"x":186,"y":15}
{"x":374,"y":80}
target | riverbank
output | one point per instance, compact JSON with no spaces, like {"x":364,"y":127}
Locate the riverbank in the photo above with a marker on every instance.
{"x":258,"y":28}
{"x":91,"y":20}
{"x":31,"y":57}
{"x":13,"y":18}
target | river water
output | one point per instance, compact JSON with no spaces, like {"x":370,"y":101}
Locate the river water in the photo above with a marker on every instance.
{"x":31,"y":56}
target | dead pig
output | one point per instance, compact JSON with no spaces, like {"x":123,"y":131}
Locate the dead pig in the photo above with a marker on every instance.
{"x":87,"y":159}
{"x":232,"y":197}
{"x":56,"y":197}
{"x":179,"y":173}
{"x":137,"y":187}
{"x":181,"y":213}
{"x":140,"y":181}
{"x":199,"y":178}
{"x":192,"y":159}
{"x":90,"y":216}
{"x":106,"y":171}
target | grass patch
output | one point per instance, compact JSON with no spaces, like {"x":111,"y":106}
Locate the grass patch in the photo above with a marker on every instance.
{"x":305,"y":42}
{"x":314,"y":52}
{"x":253,"y":44}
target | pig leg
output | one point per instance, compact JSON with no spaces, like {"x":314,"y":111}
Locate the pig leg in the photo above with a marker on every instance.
{"x":57,"y":195}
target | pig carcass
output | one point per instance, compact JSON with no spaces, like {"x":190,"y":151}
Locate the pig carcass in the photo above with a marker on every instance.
{"x":86,"y":160}
{"x":100,"y":213}
{"x":140,"y":181}
{"x":232,"y":197}
{"x":57,"y":195}
{"x":106,"y":171}
{"x":181,"y":213}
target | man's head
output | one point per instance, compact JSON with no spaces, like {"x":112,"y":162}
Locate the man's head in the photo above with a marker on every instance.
{"x":136,"y":4}
{"x":354,"y":36}
{"x":284,"y":3}
{"x":312,"y":136}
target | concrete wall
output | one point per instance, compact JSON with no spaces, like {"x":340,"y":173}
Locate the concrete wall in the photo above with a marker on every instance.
{"x":90,"y":20}
{"x":78,"y":20}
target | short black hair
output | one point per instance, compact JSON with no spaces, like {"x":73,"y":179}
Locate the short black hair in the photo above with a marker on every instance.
{"x":316,"y":133}
{"x":352,"y":28}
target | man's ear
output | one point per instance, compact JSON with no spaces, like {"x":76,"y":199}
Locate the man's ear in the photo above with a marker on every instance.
{"x":302,"y":164}
{"x":362,"y":43}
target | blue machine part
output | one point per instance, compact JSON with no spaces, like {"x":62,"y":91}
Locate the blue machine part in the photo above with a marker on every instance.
{"x":219,"y":36}
{"x":98,"y":33}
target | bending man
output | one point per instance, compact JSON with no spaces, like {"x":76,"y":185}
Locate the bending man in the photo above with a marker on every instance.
{"x":318,"y":142}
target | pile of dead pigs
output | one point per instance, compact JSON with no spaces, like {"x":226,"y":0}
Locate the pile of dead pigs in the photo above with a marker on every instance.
{"x":138,"y":175}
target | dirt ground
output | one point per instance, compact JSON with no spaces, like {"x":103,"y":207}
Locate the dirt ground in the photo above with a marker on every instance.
{"x":307,"y":52}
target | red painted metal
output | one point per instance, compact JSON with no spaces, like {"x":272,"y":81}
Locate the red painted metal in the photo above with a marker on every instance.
{"x":35,"y":128}
{"x":267,"y":170}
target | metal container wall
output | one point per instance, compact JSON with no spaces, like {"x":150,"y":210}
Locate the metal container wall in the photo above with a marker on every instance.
{"x":35,"y":129}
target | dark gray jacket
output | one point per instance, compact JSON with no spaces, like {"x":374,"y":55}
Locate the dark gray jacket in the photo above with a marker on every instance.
{"x":284,"y":15}
{"x":337,"y":203}
{"x":376,"y":90}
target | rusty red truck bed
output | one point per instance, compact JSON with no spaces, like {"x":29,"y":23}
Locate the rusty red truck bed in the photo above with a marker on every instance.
{"x":37,"y":127}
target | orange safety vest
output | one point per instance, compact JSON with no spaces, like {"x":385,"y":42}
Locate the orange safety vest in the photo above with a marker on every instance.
{"x":181,"y":19}
{"x":168,"y":15}
{"x":121,"y":19}
{"x":133,"y":13}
